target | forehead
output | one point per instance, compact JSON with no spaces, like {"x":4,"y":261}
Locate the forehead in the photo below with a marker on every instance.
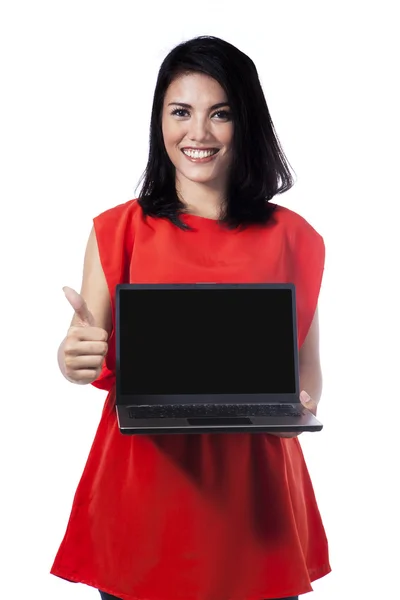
{"x":195,"y":89}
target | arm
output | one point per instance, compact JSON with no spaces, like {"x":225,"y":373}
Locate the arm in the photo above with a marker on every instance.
{"x":309,"y":362}
{"x":94,"y":291}
{"x":310,"y":370}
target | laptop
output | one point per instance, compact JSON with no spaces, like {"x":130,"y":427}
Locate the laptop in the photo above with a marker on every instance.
{"x":208,"y":358}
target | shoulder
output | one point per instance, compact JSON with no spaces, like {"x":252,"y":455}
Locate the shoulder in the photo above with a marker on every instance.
{"x":297,"y":228}
{"x":115,"y":213}
{"x":293,"y":220}
{"x":118,"y":221}
{"x":116,"y":225}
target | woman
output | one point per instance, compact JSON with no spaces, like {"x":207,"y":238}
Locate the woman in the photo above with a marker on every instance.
{"x":199,"y":517}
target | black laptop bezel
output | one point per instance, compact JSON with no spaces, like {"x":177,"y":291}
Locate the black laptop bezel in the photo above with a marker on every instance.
{"x":144,"y":400}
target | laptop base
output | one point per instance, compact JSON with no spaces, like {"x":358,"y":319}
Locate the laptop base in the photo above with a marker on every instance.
{"x":193,"y":425}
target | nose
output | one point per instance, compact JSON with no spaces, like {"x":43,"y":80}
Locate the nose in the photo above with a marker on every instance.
{"x":198,"y":128}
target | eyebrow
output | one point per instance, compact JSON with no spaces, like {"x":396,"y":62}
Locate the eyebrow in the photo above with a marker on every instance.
{"x":215,"y":106}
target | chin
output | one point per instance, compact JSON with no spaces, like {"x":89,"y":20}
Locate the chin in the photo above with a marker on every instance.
{"x":198,"y":177}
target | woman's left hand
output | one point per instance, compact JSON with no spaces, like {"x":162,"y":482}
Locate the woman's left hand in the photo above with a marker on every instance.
{"x":308,"y":403}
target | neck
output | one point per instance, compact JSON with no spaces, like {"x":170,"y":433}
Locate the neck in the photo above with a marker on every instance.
{"x":203,"y":200}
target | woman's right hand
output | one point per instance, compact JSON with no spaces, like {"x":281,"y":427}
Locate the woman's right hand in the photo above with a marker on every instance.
{"x":85,"y":345}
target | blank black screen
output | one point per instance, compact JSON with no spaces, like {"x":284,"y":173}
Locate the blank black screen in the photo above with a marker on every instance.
{"x":206,"y":341}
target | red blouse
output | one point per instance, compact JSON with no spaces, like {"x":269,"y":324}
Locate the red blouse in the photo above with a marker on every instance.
{"x":198,"y":517}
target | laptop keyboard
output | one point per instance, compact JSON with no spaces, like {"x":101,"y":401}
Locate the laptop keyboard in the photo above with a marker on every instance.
{"x":183,"y":411}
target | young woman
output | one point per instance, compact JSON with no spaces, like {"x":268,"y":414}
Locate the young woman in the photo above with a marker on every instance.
{"x":197,"y":517}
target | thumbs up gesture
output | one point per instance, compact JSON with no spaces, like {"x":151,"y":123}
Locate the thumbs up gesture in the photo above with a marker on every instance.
{"x":85,"y":345}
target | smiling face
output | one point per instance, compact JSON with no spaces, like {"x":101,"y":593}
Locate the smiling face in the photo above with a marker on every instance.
{"x":198,"y":130}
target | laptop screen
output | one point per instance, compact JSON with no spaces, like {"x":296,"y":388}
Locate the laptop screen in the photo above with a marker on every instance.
{"x":206,"y":341}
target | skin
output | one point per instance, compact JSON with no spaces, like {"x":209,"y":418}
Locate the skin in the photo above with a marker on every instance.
{"x":196,"y":115}
{"x":202,"y":187}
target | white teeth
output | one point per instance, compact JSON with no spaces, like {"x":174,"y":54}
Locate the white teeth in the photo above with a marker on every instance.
{"x":199,"y":153}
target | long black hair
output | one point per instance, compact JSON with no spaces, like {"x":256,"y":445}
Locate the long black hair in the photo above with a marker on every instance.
{"x":259,"y":170}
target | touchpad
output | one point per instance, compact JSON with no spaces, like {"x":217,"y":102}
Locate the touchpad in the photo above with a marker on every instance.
{"x":219,"y":421}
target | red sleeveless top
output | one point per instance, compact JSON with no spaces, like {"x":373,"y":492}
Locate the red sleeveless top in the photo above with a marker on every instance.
{"x":198,"y":517}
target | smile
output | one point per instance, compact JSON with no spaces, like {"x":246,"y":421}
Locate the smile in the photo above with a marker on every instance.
{"x":200,"y":155}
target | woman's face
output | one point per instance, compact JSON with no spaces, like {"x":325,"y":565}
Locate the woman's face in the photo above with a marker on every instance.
{"x":198,"y":129}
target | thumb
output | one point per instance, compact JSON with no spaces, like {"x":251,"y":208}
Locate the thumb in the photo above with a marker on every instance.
{"x":308,"y":402}
{"x":80,"y":307}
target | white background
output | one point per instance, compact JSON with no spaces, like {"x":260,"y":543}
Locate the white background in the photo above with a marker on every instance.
{"x":77,"y":80}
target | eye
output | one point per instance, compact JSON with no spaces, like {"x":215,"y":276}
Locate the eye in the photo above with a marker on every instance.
{"x":180,"y":112}
{"x":223,"y":115}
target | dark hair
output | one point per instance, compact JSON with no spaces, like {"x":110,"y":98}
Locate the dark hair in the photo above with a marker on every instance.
{"x":259,"y":170}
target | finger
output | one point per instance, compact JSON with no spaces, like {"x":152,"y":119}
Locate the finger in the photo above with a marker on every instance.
{"x":79,"y":305}
{"x":88,"y":334}
{"x":308,"y":402}
{"x":83,"y":375}
{"x":89,"y":348}
{"x":78,"y":363}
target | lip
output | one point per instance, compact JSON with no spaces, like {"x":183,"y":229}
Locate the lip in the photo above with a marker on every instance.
{"x":199,"y":149}
{"x":200,"y":160}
